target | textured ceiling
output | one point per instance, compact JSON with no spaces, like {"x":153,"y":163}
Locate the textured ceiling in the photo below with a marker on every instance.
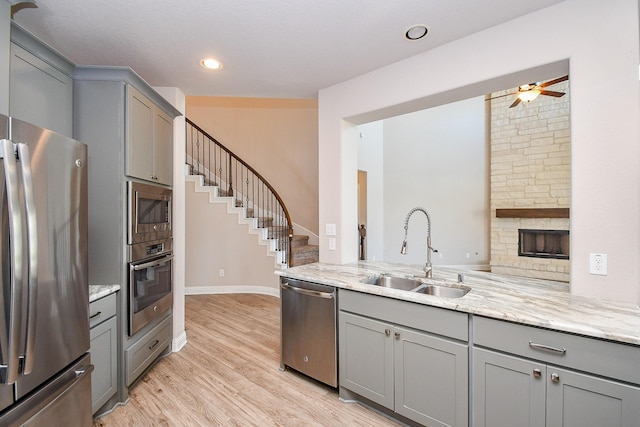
{"x":269,"y":48}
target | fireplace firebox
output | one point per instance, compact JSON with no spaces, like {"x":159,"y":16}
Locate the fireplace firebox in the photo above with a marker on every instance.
{"x":543,"y":243}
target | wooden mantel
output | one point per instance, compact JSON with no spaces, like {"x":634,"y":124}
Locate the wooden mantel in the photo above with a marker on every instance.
{"x":533,"y":213}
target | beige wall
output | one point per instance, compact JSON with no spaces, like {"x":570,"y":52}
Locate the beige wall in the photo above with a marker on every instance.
{"x":277,"y":137}
{"x":215,"y":240}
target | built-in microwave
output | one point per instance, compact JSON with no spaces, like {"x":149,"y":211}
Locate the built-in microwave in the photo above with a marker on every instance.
{"x":149,"y":212}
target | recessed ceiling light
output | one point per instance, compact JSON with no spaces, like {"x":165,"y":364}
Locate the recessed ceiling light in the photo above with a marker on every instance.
{"x":416,"y":32}
{"x":211,"y":64}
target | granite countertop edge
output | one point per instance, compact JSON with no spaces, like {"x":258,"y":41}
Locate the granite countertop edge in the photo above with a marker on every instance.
{"x":100,"y":291}
{"x":533,"y":302}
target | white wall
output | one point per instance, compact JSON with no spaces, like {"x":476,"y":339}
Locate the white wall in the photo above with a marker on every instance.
{"x":177,"y":98}
{"x":437,"y":159}
{"x":599,"y":42}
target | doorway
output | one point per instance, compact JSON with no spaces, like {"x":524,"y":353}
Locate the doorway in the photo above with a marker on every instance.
{"x":362,"y":214}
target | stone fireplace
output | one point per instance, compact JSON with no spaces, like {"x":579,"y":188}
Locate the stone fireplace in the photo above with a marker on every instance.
{"x":530,"y":181}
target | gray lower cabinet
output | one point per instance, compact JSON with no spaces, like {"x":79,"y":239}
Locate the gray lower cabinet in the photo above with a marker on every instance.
{"x":412,"y":372}
{"x":104,"y":356}
{"x":534,"y":390}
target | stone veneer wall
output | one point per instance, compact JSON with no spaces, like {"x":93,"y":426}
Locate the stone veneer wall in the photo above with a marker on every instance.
{"x":530,"y":168}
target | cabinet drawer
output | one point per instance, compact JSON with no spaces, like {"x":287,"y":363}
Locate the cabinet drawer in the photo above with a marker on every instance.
{"x":606,"y":358}
{"x":102,"y":309}
{"x":435,"y":320}
{"x":142,"y":354}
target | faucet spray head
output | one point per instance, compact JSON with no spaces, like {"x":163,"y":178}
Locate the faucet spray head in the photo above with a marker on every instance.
{"x":403,"y":250}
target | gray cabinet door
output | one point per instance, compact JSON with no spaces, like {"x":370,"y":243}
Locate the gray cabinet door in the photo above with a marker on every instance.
{"x":507,"y":391}
{"x":105,"y":362}
{"x":431,"y":379}
{"x":140,"y":117}
{"x":39,"y":93}
{"x":578,"y":400}
{"x":163,"y":147}
{"x":366,"y":358}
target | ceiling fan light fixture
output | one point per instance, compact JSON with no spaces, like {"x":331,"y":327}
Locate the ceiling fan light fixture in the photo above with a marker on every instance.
{"x":416,"y":32}
{"x":528,"y":95}
{"x":211,"y":64}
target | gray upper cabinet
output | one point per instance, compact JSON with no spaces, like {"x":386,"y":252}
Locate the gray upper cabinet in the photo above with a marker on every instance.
{"x":538,"y":382}
{"x":40,"y":84}
{"x":149,"y":153}
{"x":409,"y":358}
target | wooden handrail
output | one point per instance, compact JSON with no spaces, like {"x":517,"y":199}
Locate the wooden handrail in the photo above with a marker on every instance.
{"x":229,"y":178}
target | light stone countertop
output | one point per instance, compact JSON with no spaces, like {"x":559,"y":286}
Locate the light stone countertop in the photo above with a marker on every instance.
{"x":523,"y":300}
{"x":100,"y":291}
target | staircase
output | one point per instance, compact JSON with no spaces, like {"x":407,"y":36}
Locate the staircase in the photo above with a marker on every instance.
{"x":228,"y":179}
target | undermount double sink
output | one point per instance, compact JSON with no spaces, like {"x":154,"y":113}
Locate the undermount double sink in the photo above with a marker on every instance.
{"x":421,"y":286}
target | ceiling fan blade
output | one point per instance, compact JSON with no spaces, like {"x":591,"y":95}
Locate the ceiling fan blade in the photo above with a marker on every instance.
{"x":554,"y":81}
{"x":516,"y":102}
{"x":551,"y":93}
{"x":502,"y":96}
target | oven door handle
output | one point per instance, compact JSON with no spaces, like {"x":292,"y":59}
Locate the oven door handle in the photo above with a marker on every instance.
{"x":153,"y":263}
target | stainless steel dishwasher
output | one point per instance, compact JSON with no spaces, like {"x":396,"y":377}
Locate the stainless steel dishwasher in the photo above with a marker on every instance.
{"x":308,"y":329}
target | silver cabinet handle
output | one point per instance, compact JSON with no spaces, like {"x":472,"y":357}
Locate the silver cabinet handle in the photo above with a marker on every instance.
{"x":153,"y":263}
{"x":387,"y":332}
{"x":547,"y":348}
{"x":309,"y":292}
{"x":555,"y":378}
{"x":397,"y":335}
{"x":32,"y":259}
{"x":16,"y":250}
{"x":537,"y":373}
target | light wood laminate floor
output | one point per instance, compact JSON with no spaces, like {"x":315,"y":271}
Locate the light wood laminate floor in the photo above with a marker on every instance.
{"x":228,"y":375}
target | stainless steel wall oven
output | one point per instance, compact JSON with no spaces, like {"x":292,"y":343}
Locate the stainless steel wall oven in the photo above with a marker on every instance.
{"x":150,"y":254}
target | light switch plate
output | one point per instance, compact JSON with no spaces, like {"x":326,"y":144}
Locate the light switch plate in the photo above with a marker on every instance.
{"x":330,"y":229}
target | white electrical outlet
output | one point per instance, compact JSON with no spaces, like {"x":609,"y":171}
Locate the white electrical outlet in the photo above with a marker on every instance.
{"x":598,"y":264}
{"x":332,"y":243}
{"x":221,"y":272}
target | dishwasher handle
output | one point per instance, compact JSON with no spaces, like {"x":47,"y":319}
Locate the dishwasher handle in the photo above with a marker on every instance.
{"x":308,"y":292}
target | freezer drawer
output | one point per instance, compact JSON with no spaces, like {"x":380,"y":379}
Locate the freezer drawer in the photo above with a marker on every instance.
{"x":63,"y":402}
{"x":308,"y":329}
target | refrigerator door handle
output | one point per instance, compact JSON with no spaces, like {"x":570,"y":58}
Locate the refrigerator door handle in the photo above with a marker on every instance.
{"x":11,"y":364}
{"x":32,"y":259}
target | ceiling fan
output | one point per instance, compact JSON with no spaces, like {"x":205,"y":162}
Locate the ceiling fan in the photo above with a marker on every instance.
{"x":529,"y":92}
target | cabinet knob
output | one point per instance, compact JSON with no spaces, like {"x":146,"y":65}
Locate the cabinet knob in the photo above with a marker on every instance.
{"x":397,"y":335}
{"x":537,"y":373}
{"x":555,"y":378}
{"x":387,"y":332}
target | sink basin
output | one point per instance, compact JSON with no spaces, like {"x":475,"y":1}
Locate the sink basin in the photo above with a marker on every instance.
{"x":394,"y":282}
{"x":419,"y":286}
{"x":443,"y":291}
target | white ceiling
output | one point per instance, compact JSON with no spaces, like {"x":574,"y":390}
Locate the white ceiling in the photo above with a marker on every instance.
{"x":269,"y":48}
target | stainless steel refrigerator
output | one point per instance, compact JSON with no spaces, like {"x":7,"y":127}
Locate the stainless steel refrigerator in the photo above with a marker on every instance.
{"x":44,"y":307}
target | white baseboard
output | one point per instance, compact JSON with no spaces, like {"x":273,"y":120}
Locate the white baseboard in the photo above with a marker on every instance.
{"x":239,"y":289}
{"x":178,"y":343}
